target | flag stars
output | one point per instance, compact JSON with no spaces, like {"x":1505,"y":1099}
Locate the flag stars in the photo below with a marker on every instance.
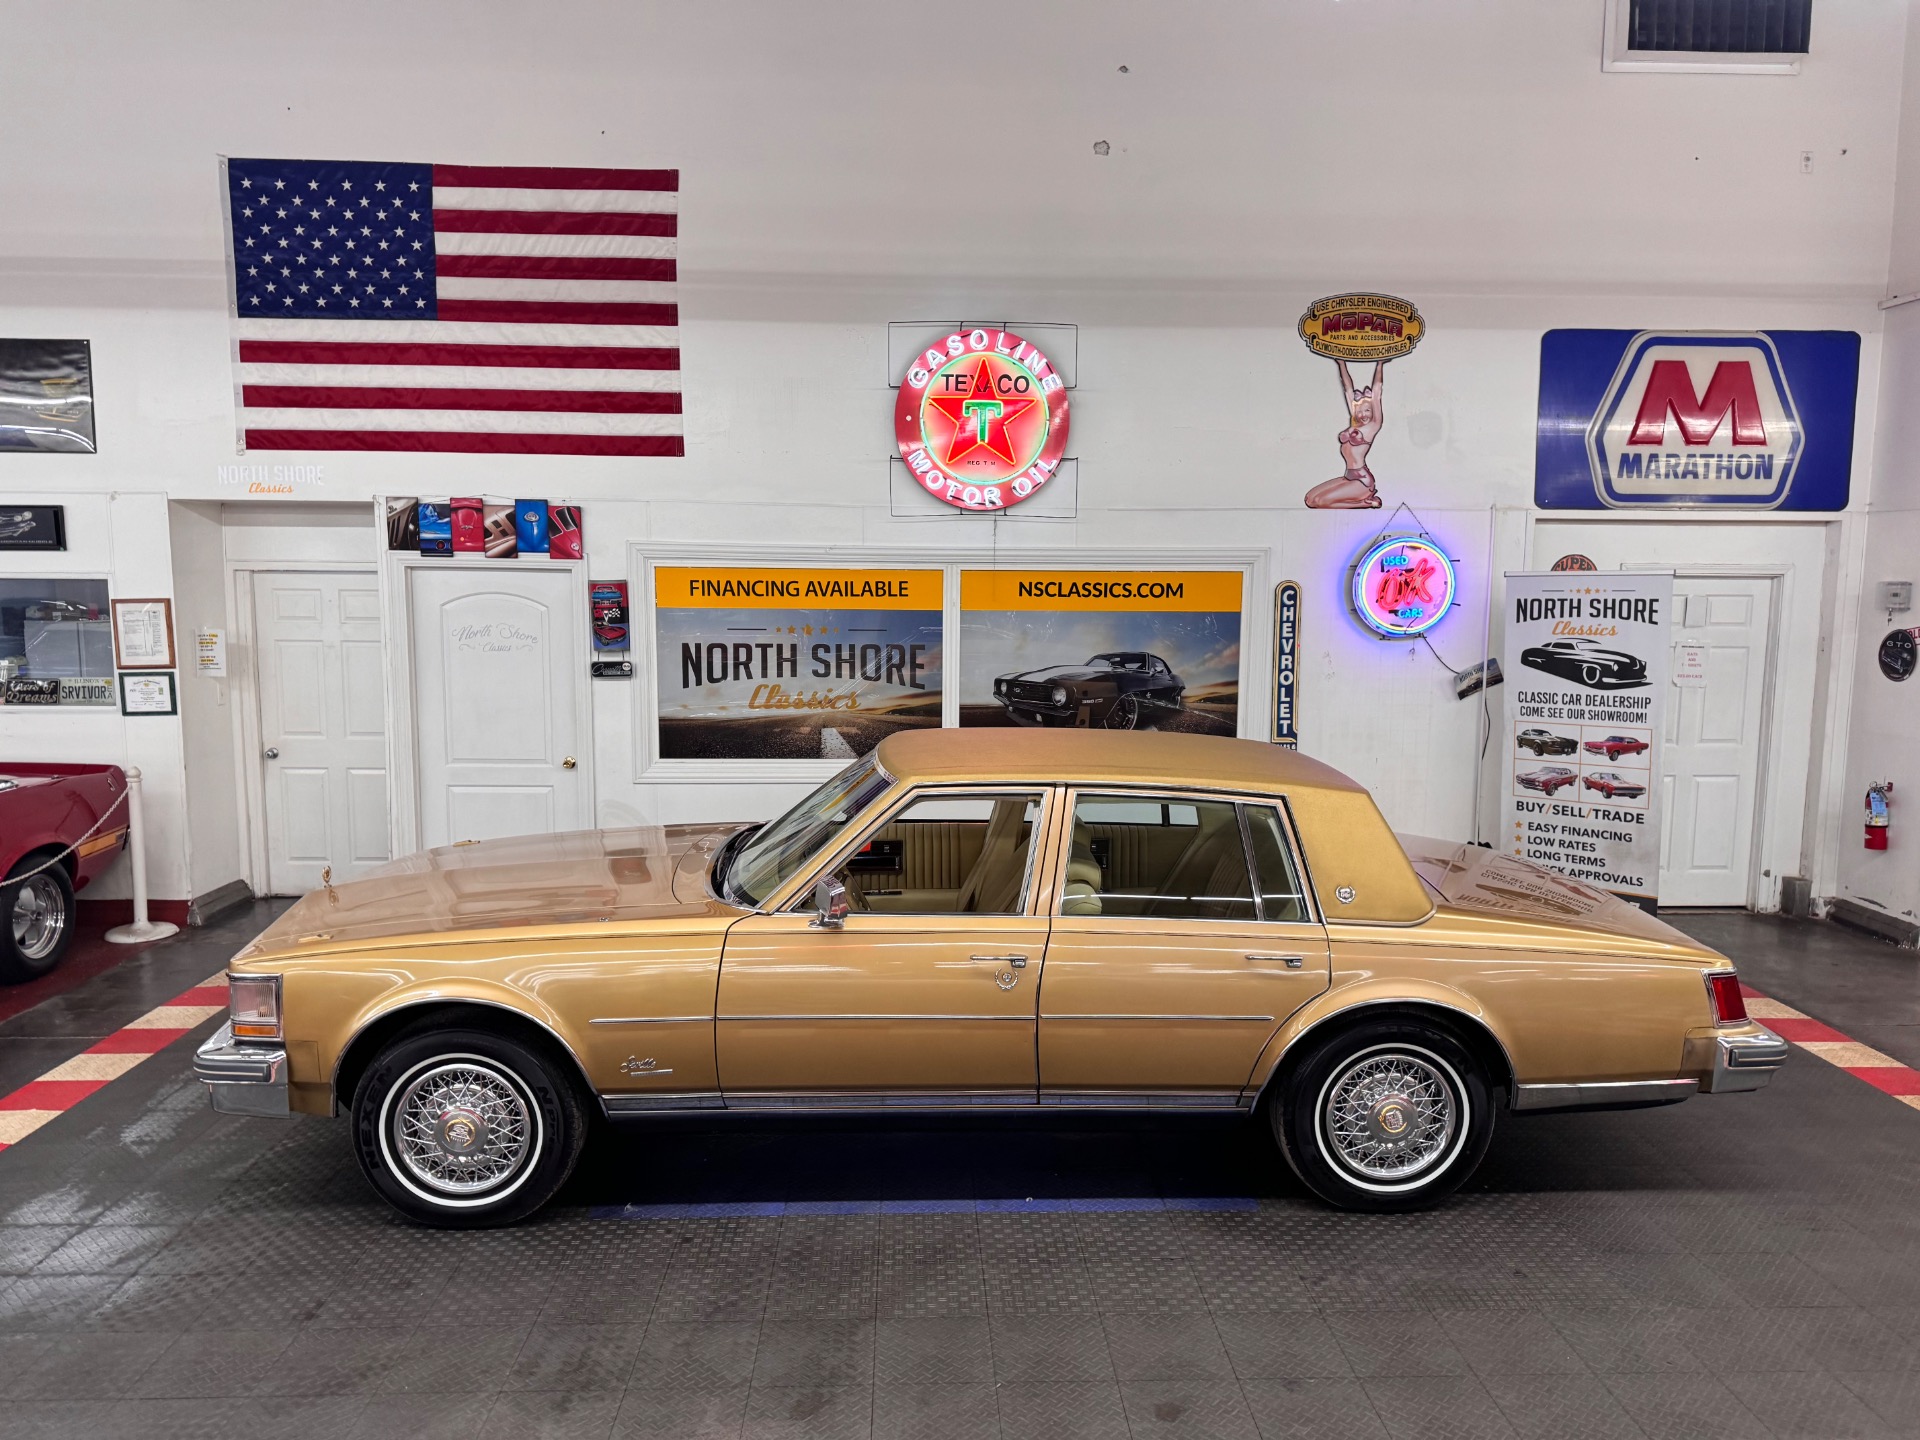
{"x":354,"y":303}
{"x":379,"y":184}
{"x":245,"y":184}
{"x":279,"y":184}
{"x":313,"y":184}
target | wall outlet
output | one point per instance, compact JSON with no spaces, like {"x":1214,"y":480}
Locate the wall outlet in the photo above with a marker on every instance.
{"x":1896,"y":595}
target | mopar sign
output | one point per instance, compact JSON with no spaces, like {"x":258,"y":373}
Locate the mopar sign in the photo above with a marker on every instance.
{"x":1751,"y":420}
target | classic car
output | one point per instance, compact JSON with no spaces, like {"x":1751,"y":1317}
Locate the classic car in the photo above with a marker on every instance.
{"x":1548,"y":778}
{"x":1545,"y":742}
{"x":1586,"y":663}
{"x":1614,"y":746}
{"x":1613,"y":786}
{"x":60,"y":826}
{"x":975,"y":919}
{"x":1119,"y":690}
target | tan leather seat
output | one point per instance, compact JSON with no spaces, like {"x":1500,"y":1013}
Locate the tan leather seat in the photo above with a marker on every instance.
{"x":993,"y":887}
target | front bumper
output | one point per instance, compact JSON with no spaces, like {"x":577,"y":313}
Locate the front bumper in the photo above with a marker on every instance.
{"x":1744,"y":1062}
{"x":243,"y":1077}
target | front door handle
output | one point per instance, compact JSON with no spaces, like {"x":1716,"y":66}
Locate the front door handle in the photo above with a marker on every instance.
{"x":567,"y":764}
{"x":1018,"y":962}
{"x":1292,"y":962}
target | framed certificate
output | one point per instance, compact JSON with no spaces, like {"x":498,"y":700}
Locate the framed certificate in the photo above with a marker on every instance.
{"x":144,"y":694}
{"x":143,"y":634}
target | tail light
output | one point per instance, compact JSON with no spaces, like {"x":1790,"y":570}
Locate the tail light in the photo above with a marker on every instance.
{"x":1729,"y":1005}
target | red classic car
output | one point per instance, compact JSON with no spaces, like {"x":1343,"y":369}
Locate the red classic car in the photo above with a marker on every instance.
{"x":1548,"y":778}
{"x":1614,"y":746}
{"x":72,"y":816}
{"x":1614,"y":787}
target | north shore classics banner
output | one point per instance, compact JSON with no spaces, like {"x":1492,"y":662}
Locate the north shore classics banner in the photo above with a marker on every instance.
{"x":793,"y":664}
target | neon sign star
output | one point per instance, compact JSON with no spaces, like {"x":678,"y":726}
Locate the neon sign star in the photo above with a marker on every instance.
{"x":980,"y":417}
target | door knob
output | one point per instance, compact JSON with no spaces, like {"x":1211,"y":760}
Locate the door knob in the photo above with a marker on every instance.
{"x":272,"y":752}
{"x":567,"y":764}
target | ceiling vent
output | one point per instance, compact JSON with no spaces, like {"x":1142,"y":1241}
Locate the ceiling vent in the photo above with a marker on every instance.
{"x":1726,"y":37}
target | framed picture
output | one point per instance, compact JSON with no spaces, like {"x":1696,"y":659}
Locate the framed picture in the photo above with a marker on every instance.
{"x":148,"y":694}
{"x":33,"y":527}
{"x":143,"y":634}
{"x":46,"y":396}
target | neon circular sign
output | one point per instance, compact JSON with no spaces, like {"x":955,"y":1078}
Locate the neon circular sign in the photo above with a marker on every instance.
{"x":1403,"y":586}
{"x":982,"y":419}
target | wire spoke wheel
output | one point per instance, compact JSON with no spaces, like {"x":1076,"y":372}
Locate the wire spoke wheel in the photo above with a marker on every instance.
{"x":39,"y":918}
{"x":461,"y":1127}
{"x":1125,"y":714}
{"x":1389,"y":1116}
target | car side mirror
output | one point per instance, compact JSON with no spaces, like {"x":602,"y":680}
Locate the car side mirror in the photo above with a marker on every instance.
{"x":830,"y":904}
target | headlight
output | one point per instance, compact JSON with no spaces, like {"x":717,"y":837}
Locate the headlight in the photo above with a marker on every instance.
{"x":253,"y":1001}
{"x":999,"y":687}
{"x":1059,"y":695}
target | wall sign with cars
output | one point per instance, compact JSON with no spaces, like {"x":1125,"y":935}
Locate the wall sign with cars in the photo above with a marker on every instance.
{"x":1586,"y":696}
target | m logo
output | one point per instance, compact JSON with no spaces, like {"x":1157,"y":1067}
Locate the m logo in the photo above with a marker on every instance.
{"x":1696,"y":419}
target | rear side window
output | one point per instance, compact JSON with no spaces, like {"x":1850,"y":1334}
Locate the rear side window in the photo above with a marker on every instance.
{"x":1172,"y":859}
{"x":1281,"y":895}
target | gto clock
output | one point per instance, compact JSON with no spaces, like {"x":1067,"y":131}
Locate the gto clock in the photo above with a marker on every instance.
{"x":982,"y":419}
{"x":1402,"y":586}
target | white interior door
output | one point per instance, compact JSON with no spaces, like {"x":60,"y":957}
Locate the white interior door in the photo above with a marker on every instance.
{"x":319,"y":665}
{"x":1710,"y":763}
{"x":499,"y":668}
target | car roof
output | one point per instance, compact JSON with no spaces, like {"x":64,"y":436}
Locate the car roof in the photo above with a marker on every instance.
{"x":1100,"y":757}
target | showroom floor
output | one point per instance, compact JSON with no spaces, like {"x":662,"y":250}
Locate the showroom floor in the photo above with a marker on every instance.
{"x":1742,"y":1266}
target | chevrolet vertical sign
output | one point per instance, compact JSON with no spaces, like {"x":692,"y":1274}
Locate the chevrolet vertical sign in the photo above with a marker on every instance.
{"x":1649,"y":419}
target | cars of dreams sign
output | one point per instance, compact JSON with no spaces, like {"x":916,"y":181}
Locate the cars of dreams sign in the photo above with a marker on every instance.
{"x":982,"y":419}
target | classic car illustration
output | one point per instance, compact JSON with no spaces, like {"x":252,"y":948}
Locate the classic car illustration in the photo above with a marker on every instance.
{"x":1614,"y":746}
{"x":60,"y":826}
{"x":1548,"y":778}
{"x":974,"y":919}
{"x":1119,"y":690}
{"x":1586,"y":663}
{"x":1613,"y":786}
{"x":1545,"y":742}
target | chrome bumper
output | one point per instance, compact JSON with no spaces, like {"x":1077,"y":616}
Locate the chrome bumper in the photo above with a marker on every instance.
{"x":243,"y":1077}
{"x":1744,"y":1062}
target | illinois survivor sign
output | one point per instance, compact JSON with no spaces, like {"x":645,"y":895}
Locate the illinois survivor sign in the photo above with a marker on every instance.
{"x":1586,"y":661}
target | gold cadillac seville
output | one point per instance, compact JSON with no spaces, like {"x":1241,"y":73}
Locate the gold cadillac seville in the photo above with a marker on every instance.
{"x":977,"y":919}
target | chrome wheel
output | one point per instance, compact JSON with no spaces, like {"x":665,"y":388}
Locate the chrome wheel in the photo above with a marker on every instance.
{"x":462,"y":1129}
{"x":39,"y":918}
{"x":1125,"y":714}
{"x":1391,"y":1115}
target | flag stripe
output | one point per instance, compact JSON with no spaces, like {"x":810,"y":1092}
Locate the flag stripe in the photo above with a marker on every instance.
{"x":477,"y":377}
{"x":493,"y":422}
{"x":615,"y":292}
{"x":348,"y":397}
{"x":585,"y":202}
{"x":554,"y":178}
{"x":537,"y":222}
{"x":554,"y":267}
{"x":345,"y":352}
{"x":501,"y":242}
{"x":652,"y":337}
{"x":463,"y":442}
{"x":557,"y":312}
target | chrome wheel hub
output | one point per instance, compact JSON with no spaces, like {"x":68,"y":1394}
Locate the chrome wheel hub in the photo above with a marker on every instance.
{"x":460,"y":1127}
{"x":1390,"y":1116}
{"x":39,"y":918}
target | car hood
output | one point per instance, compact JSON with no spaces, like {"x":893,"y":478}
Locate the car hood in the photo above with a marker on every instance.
{"x":536,"y":883}
{"x":1061,"y":672}
{"x":1509,"y":901}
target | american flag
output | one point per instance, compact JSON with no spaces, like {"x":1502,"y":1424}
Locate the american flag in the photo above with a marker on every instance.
{"x":479,"y":308}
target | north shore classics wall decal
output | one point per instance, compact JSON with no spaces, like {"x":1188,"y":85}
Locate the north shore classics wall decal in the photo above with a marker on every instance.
{"x":1360,"y":328}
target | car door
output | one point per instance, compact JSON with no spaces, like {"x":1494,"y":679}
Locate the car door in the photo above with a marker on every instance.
{"x":1172,"y":959}
{"x":926,"y":993}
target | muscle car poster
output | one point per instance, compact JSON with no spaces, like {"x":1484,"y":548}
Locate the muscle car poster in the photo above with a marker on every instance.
{"x":1586,"y":665}
{"x":793,"y":664}
{"x":1118,"y":650}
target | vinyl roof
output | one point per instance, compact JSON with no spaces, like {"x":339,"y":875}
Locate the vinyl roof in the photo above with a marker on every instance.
{"x":1129,"y":757}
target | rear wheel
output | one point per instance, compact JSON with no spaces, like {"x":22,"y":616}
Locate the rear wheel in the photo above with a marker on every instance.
{"x":466,"y":1128}
{"x":36,"y":921}
{"x":1389,"y":1115}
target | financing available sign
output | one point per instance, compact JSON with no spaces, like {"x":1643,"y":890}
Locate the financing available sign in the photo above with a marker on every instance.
{"x":1586,"y":664}
{"x":1756,"y":420}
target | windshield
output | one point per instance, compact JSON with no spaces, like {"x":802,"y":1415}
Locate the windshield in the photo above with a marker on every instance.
{"x":770,"y":859}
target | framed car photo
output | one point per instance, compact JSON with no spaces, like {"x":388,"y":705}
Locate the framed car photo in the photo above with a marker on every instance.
{"x":33,"y":527}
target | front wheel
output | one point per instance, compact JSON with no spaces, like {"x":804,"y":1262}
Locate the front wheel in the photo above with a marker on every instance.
{"x":466,"y":1128}
{"x":36,"y":921}
{"x":1390,"y":1115}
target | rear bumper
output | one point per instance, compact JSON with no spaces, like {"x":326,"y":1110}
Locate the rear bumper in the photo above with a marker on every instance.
{"x":243,"y":1077}
{"x":1744,"y":1062}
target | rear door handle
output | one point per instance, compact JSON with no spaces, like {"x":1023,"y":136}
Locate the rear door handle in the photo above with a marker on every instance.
{"x":1018,"y":962}
{"x":1292,"y":962}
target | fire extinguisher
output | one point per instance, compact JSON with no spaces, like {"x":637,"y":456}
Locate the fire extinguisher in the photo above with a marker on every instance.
{"x":1879,"y":797}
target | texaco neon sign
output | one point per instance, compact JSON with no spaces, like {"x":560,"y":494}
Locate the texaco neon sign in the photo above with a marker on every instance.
{"x":982,"y":419}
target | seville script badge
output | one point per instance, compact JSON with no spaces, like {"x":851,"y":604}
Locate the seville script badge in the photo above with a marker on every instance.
{"x":982,"y":419}
{"x":1358,"y":327}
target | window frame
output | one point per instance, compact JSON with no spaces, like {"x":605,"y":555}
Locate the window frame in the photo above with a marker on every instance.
{"x":1616,"y":56}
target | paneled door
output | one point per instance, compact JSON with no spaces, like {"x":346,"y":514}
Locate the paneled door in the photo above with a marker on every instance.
{"x":499,"y":667}
{"x":1710,"y":764}
{"x":323,"y":736}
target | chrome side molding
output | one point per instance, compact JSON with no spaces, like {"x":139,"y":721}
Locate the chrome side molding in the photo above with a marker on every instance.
{"x":1603,"y":1092}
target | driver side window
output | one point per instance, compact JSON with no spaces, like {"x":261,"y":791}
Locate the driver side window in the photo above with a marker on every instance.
{"x":952,"y":854}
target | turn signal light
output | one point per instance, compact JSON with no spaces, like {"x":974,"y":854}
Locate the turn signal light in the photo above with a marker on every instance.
{"x":1729,"y":1005}
{"x":253,"y":1002}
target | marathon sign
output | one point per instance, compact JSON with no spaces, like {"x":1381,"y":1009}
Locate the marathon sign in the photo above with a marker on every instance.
{"x":1756,"y":420}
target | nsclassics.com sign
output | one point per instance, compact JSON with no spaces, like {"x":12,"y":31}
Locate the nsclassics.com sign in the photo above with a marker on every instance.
{"x":1586,"y":664}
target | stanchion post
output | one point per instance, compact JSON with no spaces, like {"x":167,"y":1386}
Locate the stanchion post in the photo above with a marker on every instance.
{"x":142,"y":929}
